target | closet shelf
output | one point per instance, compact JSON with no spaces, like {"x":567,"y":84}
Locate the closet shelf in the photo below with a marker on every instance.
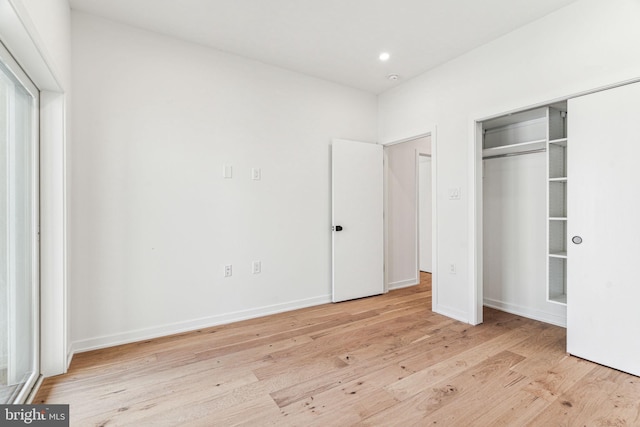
{"x":562,"y":142}
{"x":557,"y":218}
{"x":558,"y":179}
{"x":514,"y":148}
{"x":559,"y":254}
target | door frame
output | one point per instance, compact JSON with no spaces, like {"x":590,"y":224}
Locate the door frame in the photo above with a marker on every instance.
{"x":475,"y":256}
{"x":14,"y":332}
{"x":429,"y":131}
{"x":418,"y":210}
{"x":20,"y":36}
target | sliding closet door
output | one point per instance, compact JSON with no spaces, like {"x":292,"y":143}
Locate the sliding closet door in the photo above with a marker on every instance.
{"x":603,"y":313}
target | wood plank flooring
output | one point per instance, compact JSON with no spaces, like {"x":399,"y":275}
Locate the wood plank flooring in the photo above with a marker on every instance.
{"x":380,"y":361}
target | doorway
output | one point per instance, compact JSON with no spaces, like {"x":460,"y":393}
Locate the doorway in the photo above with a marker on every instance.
{"x":517,"y":229}
{"x":404,"y":191}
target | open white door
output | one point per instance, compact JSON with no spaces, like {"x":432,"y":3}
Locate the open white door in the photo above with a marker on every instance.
{"x":357,"y":206}
{"x":603,"y":319}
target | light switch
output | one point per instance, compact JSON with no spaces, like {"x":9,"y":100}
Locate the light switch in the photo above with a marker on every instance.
{"x":256,"y":174}
{"x":256,"y":267}
{"x":227,"y":171}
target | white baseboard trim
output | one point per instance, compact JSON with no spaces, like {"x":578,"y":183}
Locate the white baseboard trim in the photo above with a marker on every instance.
{"x":527,"y":312}
{"x":402,"y":284}
{"x":451,"y":312}
{"x":190,"y":325}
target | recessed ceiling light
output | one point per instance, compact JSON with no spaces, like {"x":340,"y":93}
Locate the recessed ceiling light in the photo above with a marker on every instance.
{"x":393,"y":77}
{"x":384,"y":56}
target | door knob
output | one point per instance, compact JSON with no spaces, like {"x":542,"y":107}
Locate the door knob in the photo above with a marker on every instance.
{"x":337,"y":228}
{"x":577,"y":240}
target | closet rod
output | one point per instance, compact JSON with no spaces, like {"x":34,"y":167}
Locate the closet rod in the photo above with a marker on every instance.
{"x":497,"y":156}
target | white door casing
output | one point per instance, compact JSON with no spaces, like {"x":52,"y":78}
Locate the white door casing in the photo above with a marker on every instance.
{"x":357,"y":207}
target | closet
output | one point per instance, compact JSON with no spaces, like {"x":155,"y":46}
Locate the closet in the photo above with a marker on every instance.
{"x":525,"y":213}
{"x":561,"y":209}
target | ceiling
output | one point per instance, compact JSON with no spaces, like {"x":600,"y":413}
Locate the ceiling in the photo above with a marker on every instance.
{"x":336,"y":40}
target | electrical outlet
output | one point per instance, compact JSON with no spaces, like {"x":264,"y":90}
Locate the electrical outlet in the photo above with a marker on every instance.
{"x":256,"y":174}
{"x":228,"y":270}
{"x":452,"y":269}
{"x":256,"y":267}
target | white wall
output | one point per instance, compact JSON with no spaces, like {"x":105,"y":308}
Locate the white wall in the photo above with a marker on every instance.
{"x":585,"y":45}
{"x":401,"y":211}
{"x":152,"y":221}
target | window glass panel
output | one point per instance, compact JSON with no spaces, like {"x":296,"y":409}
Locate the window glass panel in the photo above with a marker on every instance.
{"x":18,"y":238}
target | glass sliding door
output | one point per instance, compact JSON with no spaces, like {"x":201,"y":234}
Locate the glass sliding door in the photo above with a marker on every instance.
{"x":19,"y":233}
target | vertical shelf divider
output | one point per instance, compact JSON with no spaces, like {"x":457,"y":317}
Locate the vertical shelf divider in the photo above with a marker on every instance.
{"x":557,"y":215}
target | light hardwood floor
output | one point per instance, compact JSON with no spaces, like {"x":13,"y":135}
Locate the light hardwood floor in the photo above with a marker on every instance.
{"x":380,"y":361}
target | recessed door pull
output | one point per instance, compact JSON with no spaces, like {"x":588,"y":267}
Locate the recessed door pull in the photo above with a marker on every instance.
{"x":577,"y":240}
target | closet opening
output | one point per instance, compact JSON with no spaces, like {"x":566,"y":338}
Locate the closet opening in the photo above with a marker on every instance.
{"x":524,"y":216}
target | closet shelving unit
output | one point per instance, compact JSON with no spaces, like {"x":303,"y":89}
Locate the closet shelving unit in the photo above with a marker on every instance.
{"x":557,"y":204}
{"x":531,"y":131}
